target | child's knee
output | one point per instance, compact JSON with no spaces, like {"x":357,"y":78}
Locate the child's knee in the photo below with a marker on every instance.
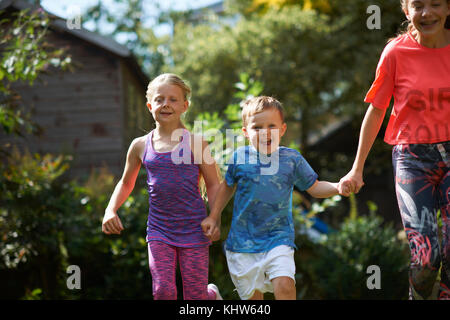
{"x":257,"y":295}
{"x":284,"y":286}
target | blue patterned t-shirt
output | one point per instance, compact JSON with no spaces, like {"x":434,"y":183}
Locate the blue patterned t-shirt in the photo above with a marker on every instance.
{"x":262,"y":212}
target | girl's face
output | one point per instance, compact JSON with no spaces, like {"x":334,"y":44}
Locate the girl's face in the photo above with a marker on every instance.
{"x":168,"y":103}
{"x":428,"y":16}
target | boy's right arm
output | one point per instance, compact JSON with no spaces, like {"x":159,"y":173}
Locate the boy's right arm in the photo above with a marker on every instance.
{"x":111,"y":221}
{"x":211,"y":225}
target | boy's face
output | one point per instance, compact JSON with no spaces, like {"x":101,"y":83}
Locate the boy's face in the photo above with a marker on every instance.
{"x":264,"y":130}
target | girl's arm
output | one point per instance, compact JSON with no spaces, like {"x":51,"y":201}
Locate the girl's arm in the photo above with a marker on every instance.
{"x":210,"y":173}
{"x":369,"y":130}
{"x":111,"y":221}
{"x":224,"y":195}
{"x":323,"y":189}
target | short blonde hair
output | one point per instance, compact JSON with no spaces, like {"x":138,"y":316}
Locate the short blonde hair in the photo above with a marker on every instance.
{"x":259,"y":104}
{"x":169,"y":78}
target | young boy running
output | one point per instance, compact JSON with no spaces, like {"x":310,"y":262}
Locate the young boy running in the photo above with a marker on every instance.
{"x":260,"y":244}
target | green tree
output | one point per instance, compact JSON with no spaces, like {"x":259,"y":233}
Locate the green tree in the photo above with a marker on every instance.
{"x":318,"y":62}
{"x":288,"y":50}
{"x":24,"y":56}
{"x":124,"y":20}
{"x":248,"y":7}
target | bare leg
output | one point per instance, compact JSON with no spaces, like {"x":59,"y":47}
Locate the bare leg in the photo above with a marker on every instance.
{"x":284,"y":288}
{"x":257,"y":296}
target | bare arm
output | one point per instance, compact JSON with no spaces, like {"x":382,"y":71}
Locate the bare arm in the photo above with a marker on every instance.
{"x":323,"y":189}
{"x":210,"y":173}
{"x":213,"y":221}
{"x":224,"y":195}
{"x":111,"y":221}
{"x":369,"y":130}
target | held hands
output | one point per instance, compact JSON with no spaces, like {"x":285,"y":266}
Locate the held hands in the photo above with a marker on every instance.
{"x":211,"y":228}
{"x":111,"y":223}
{"x":351,"y":183}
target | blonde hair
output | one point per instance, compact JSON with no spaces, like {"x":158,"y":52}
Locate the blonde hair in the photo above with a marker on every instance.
{"x":259,"y":104}
{"x":168,"y":78}
{"x":410,"y":27}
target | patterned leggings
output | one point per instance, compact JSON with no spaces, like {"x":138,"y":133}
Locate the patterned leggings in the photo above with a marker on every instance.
{"x":422,"y":186}
{"x":193,"y":268}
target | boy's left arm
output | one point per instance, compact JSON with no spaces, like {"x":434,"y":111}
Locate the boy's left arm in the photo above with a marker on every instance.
{"x":325,"y":189}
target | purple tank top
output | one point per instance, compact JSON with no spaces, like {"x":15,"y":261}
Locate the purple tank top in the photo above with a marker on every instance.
{"x":176,"y":208}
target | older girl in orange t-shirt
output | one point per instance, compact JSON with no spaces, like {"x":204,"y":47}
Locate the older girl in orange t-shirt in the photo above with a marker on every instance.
{"x":415,"y":69}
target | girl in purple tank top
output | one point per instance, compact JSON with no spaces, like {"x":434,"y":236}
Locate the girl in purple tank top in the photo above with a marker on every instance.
{"x":178,"y":229}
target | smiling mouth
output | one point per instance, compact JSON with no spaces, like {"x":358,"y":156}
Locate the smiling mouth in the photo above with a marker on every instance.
{"x":428,"y":23}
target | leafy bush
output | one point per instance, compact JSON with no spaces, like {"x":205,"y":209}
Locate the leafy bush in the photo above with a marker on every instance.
{"x":114,"y":266}
{"x":337,"y":268}
{"x":35,"y":211}
{"x":48,"y":223}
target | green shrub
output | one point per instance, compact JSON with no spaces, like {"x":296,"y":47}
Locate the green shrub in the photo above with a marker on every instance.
{"x":36,"y":208}
{"x":48,"y":223}
{"x":114,"y":266}
{"x":337,"y":268}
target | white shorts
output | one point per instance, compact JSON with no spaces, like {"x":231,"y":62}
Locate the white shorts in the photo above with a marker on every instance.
{"x":255,"y":271}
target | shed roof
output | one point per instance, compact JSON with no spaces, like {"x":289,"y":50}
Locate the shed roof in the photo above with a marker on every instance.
{"x":103,"y":42}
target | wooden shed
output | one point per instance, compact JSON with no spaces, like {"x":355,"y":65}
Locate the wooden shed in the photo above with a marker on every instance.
{"x":95,"y":111}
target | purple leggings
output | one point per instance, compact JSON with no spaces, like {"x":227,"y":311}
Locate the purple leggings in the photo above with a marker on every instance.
{"x":193,"y":268}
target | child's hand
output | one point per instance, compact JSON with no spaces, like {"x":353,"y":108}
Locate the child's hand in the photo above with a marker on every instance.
{"x":351,"y":183}
{"x":344,"y":188}
{"x":111,"y":223}
{"x":211,"y":228}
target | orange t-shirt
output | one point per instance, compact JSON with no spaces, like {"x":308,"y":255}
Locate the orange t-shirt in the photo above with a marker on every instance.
{"x":419,"y":79}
